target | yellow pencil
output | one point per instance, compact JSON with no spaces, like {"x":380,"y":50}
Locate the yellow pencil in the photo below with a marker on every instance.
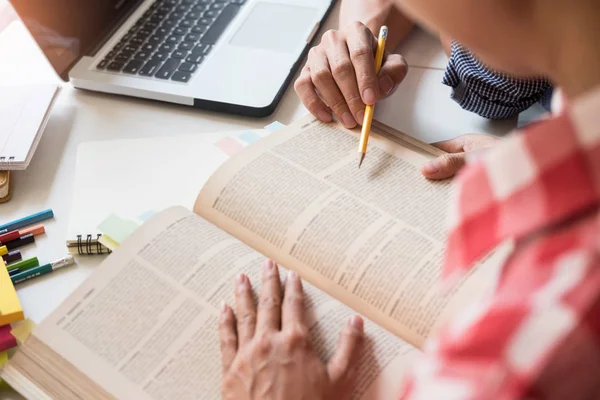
{"x":366,"y":126}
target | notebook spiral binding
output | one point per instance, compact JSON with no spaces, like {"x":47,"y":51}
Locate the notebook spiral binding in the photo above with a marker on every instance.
{"x":87,"y":246}
{"x":5,"y":162}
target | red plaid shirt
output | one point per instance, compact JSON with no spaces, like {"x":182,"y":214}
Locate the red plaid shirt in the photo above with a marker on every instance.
{"x":538,"y":336}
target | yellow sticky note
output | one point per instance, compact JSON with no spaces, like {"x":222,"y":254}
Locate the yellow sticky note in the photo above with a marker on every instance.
{"x":3,"y":358}
{"x":10,"y":307}
{"x":117,"y":228}
{"x":108,"y":242}
{"x":22,"y":331}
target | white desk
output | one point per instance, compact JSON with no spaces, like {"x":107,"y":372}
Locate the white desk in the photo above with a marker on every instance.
{"x":84,"y":116}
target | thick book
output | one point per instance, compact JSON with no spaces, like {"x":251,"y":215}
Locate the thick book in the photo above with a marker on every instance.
{"x":368,"y":241}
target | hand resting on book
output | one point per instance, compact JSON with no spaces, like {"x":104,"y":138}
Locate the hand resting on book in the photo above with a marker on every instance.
{"x":267,"y":353}
{"x":449,"y":164}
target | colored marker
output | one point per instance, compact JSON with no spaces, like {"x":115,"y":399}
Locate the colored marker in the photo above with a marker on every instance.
{"x":29,"y":220}
{"x":3,"y":231}
{"x":22,"y":241}
{"x":34,"y":230}
{"x":42,"y":270}
{"x":25,"y":264}
{"x":3,"y":251}
{"x":7,"y":237}
{"x":13,"y":256}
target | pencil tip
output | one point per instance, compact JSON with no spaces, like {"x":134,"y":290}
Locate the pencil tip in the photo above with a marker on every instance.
{"x":362,"y":157}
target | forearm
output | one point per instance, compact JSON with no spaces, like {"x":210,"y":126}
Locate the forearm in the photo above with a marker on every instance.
{"x":374,"y":14}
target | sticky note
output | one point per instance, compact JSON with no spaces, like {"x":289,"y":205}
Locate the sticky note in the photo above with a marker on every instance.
{"x":117,"y":228}
{"x":22,"y":331}
{"x":108,"y":242}
{"x":274,"y":126}
{"x":146,"y":215}
{"x":249,"y":137}
{"x":10,"y":307}
{"x":7,"y":339}
{"x":229,"y":146}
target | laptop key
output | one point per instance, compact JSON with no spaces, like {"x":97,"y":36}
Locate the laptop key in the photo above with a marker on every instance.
{"x":238,"y":1}
{"x":160,"y":56}
{"x":188,"y":67}
{"x":176,"y":15}
{"x":150,"y":68}
{"x":130,"y":49}
{"x":122,"y":57}
{"x":205,"y":21}
{"x":115,"y":66}
{"x":192,"y":37}
{"x":137,"y":40}
{"x":162,"y":31}
{"x":199,"y":29}
{"x":111,"y":54}
{"x":172,"y":39}
{"x":142,"y":55}
{"x":179,"y":54}
{"x":217,"y":6}
{"x":167,"y":48}
{"x":186,"y":23}
{"x":194,"y":59}
{"x":102,"y":64}
{"x":169,"y":23}
{"x":193,"y":15}
{"x":220,"y":24}
{"x":149,"y":47}
{"x":180,"y":31}
{"x":180,"y":76}
{"x":168,"y":68}
{"x":185,"y":46}
{"x":211,"y":14}
{"x":155,"y":39}
{"x":133,"y":66}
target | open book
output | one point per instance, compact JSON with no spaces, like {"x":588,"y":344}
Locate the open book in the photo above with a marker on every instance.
{"x":369,"y":240}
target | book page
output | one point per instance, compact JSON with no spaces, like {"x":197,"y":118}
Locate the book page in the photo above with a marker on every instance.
{"x":371,"y":237}
{"x":144,"y":325}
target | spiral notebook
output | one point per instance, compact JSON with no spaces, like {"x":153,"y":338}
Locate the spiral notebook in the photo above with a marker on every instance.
{"x":24,"y":112}
{"x":134,"y":178}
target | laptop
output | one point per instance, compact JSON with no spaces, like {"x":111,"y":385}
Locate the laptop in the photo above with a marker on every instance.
{"x":233,"y":56}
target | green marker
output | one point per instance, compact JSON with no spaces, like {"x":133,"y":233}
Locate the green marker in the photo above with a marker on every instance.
{"x":24,"y":265}
{"x":42,"y":270}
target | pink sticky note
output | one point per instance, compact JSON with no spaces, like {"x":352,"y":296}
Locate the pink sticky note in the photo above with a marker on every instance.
{"x":229,"y":146}
{"x":7,"y":340}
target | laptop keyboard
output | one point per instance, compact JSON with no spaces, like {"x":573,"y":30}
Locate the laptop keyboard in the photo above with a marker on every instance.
{"x":171,"y":39}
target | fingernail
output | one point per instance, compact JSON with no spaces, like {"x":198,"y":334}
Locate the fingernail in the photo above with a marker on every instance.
{"x":324,"y":116}
{"x":269,"y":265}
{"x":431,"y":167}
{"x":348,"y":120}
{"x":386,"y":84}
{"x":223,"y":307}
{"x":369,"y":96}
{"x":360,"y":116}
{"x":292,"y":276}
{"x":241,"y":279}
{"x":357,"y":322}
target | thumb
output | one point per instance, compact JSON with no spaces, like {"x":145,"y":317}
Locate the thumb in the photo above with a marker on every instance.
{"x":444,"y":166}
{"x":348,"y":350}
{"x":392,"y":72}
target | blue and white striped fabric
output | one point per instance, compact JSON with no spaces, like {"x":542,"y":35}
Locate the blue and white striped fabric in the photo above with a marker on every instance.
{"x":491,"y":94}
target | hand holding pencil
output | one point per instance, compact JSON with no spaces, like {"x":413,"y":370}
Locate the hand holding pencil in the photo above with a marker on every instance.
{"x":369,"y":109}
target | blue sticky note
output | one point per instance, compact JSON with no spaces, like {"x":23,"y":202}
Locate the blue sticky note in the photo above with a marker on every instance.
{"x":272,"y":127}
{"x":146,"y":215}
{"x":249,"y":137}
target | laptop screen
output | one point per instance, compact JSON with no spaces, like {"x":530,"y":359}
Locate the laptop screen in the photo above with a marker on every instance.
{"x":66,"y":30}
